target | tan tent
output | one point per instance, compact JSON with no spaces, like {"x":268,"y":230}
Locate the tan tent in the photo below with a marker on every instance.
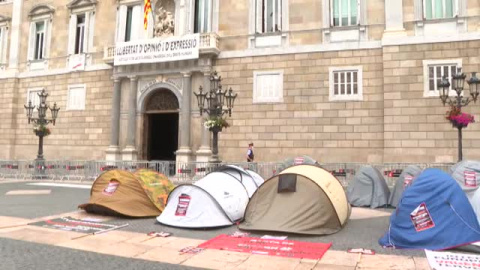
{"x":140,"y":194}
{"x":303,"y":199}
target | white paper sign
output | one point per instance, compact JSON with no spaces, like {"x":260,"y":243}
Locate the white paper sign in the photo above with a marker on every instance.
{"x":454,"y":261}
{"x":157,"y":50}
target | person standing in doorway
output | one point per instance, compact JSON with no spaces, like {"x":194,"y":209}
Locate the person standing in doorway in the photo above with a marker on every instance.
{"x":250,"y":155}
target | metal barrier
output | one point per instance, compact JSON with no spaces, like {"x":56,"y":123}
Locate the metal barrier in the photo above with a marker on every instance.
{"x":188,"y":172}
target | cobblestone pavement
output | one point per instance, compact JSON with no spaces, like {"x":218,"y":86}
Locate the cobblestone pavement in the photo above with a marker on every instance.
{"x":363,"y":230}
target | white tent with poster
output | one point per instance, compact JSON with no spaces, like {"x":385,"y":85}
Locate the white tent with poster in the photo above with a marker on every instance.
{"x":219,"y":199}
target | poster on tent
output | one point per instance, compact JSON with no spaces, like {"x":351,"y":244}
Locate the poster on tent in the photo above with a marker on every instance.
{"x":448,"y":260}
{"x":77,"y":225}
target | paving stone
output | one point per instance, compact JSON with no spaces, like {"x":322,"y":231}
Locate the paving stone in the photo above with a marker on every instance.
{"x":106,"y":247}
{"x":8,"y":222}
{"x":363,"y":213}
{"x":38,"y":235}
{"x":322,"y":266}
{"x":114,"y":236}
{"x":28,"y":192}
{"x":166,"y":255}
{"x":217,"y":259}
{"x":340,"y":258}
{"x":269,"y":262}
{"x":306,"y":264}
{"x":386,"y":262}
{"x":178,"y":243}
{"x":421,"y":263}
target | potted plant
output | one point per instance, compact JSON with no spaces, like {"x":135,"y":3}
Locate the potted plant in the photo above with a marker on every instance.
{"x":41,"y":130}
{"x":216,"y":123}
{"x":458,"y":118}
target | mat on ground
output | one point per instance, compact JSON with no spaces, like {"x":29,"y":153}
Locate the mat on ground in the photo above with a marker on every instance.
{"x":282,"y":248}
{"x":78,"y":225}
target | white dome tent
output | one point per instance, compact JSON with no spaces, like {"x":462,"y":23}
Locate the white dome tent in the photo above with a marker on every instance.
{"x":250,"y":179}
{"x":219,"y":199}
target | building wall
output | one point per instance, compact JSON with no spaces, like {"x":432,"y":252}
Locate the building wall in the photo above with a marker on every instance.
{"x":393,"y":123}
{"x":77,"y":134}
{"x":415,"y":126}
{"x":306,"y":123}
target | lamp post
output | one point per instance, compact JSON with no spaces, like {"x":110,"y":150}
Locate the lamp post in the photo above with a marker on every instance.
{"x":458,"y":101}
{"x":219,"y":102}
{"x":41,"y":129}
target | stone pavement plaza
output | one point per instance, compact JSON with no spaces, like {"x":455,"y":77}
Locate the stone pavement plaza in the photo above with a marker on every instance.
{"x":133,"y":244}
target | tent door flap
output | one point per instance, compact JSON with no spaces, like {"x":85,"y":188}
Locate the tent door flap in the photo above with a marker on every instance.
{"x":287,"y":183}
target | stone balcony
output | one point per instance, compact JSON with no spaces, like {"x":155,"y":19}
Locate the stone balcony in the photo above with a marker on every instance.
{"x":208,"y":46}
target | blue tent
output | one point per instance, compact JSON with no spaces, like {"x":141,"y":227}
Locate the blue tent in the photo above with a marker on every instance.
{"x":434,"y":214}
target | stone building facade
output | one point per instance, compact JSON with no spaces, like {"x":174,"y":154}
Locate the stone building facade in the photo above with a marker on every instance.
{"x":338,"y":80}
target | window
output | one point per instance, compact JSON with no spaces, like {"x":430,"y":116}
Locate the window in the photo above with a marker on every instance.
{"x":435,"y":70}
{"x":81,"y":28}
{"x":439,"y":9}
{"x":345,"y":83}
{"x":76,"y":97}
{"x":32,"y":96}
{"x":344,"y":12}
{"x":3,"y":45}
{"x":128,"y":25}
{"x":80,"y":34}
{"x":39,"y":37}
{"x":39,"y":41}
{"x":202,"y":16}
{"x":268,"y":86}
{"x":271,"y":16}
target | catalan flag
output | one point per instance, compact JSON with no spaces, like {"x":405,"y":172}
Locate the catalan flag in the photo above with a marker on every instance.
{"x":147,"y":8}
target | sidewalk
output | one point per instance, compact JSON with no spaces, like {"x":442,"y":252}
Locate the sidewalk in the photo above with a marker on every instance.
{"x":166,"y":250}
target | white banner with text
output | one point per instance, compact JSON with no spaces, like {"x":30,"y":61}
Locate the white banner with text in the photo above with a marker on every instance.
{"x":157,"y":50}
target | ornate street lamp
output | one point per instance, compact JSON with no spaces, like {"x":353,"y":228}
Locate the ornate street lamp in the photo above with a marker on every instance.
{"x":458,"y":101}
{"x":219,"y":102}
{"x":41,"y":129}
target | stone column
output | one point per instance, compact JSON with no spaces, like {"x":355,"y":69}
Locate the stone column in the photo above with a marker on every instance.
{"x":113,"y":151}
{"x":184,"y":152}
{"x":394,"y":18}
{"x":15,"y":34}
{"x":130,"y":151}
{"x":205,"y":152}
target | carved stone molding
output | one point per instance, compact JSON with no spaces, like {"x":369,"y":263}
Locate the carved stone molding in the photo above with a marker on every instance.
{"x":162,"y":100}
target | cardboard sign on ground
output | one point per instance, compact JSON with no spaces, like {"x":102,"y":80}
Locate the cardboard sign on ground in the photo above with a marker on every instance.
{"x":77,"y":225}
{"x":282,"y":248}
{"x":450,"y":260}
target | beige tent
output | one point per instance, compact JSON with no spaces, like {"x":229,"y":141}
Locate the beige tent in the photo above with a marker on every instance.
{"x":140,"y":194}
{"x":303,"y":199}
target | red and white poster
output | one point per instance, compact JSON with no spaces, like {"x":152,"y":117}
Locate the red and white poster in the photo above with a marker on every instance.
{"x":298,"y":160}
{"x":182,"y":206}
{"x":470,"y":178}
{"x":111,"y":188}
{"x":271,"y":247}
{"x":407,"y":181}
{"x":421,"y":218}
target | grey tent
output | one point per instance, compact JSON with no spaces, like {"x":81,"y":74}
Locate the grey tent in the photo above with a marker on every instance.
{"x":404,"y":180}
{"x":300,"y":160}
{"x":302,"y":199}
{"x":369,"y":188}
{"x":467,"y":175}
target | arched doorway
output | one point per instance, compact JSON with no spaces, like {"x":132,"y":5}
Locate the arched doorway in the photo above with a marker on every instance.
{"x":161,"y":125}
